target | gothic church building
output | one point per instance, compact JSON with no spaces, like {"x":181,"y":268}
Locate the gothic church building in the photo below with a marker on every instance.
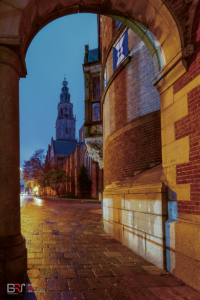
{"x":69,"y":154}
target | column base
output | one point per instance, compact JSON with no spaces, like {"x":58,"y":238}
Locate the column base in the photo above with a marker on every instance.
{"x":13,"y":262}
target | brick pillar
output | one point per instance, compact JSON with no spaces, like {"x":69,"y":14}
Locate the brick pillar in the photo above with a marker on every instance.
{"x":13,"y":252}
{"x":72,"y":183}
{"x":68,"y":172}
{"x":94,"y":180}
{"x":100,"y":183}
{"x":76,"y":167}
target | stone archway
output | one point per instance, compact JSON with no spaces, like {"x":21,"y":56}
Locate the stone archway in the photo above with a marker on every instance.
{"x":156,"y":17}
{"x":19,"y":23}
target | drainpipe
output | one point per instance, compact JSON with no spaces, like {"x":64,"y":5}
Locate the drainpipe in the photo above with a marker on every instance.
{"x":170,"y":230}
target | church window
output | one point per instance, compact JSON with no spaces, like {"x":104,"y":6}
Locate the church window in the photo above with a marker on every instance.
{"x":120,"y":50}
{"x":95,"y":87}
{"x":96,"y":109}
{"x":61,"y":111}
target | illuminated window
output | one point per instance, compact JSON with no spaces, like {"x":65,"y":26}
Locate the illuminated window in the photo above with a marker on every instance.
{"x":105,"y":78}
{"x":96,"y":111}
{"x":95,"y":87}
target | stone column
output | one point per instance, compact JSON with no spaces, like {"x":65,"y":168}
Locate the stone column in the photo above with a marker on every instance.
{"x":13,"y":253}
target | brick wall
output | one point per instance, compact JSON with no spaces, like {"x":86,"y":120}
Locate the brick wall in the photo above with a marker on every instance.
{"x":67,"y":169}
{"x":130,"y":97}
{"x":107,"y":33}
{"x":120,"y":100}
{"x":194,"y":61}
{"x":71,"y":172}
{"x":81,"y":134}
{"x":189,"y":173}
{"x":108,"y":113}
{"x":140,"y":73}
{"x":133,"y":40}
{"x":109,"y":65}
{"x":72,"y":166}
{"x":94,"y":180}
{"x":136,"y":150}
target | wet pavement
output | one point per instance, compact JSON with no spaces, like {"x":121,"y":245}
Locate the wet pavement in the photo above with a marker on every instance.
{"x":71,"y":257}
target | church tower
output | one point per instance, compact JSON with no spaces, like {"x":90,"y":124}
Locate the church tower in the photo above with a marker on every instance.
{"x":66,"y":122}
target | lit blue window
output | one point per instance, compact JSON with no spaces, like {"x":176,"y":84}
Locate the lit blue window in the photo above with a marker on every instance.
{"x":120,"y":50}
{"x":105,"y":78}
{"x":96,"y":111}
{"x":118,"y":24}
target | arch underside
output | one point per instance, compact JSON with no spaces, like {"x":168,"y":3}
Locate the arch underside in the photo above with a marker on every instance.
{"x":146,"y":17}
{"x":149,"y":40}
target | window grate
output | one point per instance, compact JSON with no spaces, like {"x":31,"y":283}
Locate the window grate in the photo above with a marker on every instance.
{"x":95,"y":87}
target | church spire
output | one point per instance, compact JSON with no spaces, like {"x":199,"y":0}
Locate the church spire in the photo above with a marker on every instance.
{"x":66,"y":122}
{"x":65,"y":96}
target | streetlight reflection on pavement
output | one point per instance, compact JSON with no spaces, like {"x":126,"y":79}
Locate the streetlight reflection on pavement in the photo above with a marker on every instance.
{"x":37,"y":201}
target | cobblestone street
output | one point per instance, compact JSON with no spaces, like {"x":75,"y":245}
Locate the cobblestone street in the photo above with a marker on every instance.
{"x":71,"y":257}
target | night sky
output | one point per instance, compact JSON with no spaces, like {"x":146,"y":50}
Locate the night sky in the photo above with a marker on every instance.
{"x":56,"y":50}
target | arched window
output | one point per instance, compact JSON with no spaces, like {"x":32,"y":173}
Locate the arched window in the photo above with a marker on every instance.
{"x":61,"y":111}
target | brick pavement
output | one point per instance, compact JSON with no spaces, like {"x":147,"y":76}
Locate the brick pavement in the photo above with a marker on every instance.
{"x":71,"y":257}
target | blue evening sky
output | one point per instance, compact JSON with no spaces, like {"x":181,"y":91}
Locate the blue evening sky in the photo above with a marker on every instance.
{"x":56,"y":50}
